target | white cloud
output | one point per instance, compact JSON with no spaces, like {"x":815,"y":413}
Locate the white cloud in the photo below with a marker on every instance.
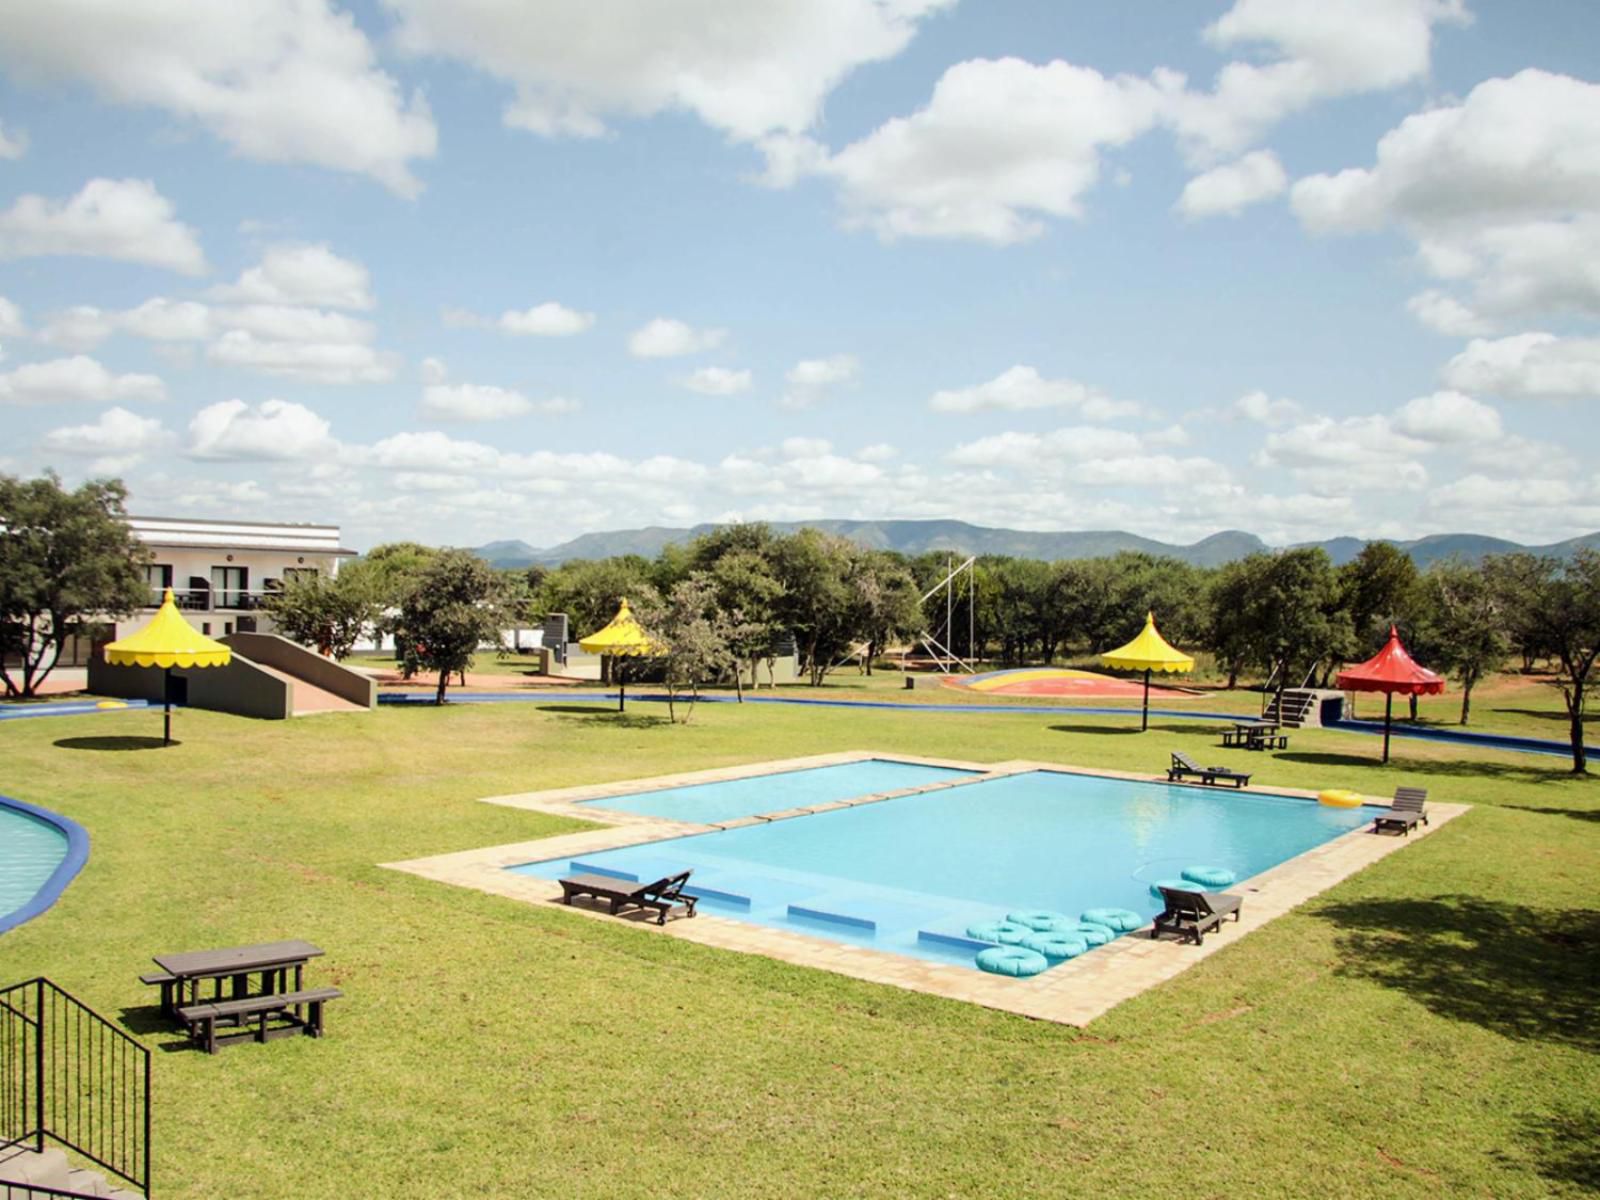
{"x":278,"y":82}
{"x":12,"y":145}
{"x":546,"y":320}
{"x":315,"y":362}
{"x":804,"y":447}
{"x":1529,"y":366}
{"x":163,"y":320}
{"x":744,"y":69}
{"x":999,"y":144}
{"x":124,"y":219}
{"x":718,"y":381}
{"x":1231,"y":188}
{"x":1449,"y":417}
{"x":483,"y":402}
{"x":1444,"y":314}
{"x":1261,"y":408}
{"x":1349,"y":456}
{"x":81,"y":327}
{"x":667,"y":337}
{"x":1047,"y":451}
{"x":878,"y":452}
{"x":76,"y":380}
{"x":11,"y":324}
{"x":292,"y":323}
{"x":118,"y":440}
{"x":1021,"y":388}
{"x":293,"y":273}
{"x":433,"y":370}
{"x":1314,"y":51}
{"x":810,"y":379}
{"x":275,"y":430}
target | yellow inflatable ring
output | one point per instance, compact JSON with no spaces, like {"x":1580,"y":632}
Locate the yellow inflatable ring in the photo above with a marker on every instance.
{"x":1340,"y":798}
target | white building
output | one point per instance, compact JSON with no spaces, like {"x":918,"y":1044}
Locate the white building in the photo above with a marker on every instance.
{"x":221,"y":571}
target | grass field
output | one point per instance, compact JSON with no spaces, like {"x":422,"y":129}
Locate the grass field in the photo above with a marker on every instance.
{"x":1424,"y":1029}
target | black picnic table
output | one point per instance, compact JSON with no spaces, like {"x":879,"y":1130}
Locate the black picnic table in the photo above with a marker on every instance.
{"x":1255,"y":735}
{"x":272,"y":961}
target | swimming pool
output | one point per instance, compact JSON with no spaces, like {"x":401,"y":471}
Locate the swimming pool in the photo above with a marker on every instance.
{"x":730,"y":799}
{"x":40,"y":852}
{"x":911,"y":875}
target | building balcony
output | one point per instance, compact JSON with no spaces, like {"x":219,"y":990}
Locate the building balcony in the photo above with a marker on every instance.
{"x":211,"y":599}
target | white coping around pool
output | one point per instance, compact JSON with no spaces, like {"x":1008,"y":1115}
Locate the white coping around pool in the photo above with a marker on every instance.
{"x":1071,"y":993}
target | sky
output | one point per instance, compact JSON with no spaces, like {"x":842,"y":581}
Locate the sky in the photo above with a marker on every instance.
{"x":526,"y":269}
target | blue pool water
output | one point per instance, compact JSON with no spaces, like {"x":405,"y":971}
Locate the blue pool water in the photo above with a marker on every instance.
{"x":30,"y":851}
{"x":729,"y":799}
{"x":909,"y":875}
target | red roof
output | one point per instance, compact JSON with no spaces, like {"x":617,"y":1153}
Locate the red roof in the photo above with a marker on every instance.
{"x":1391,"y":670}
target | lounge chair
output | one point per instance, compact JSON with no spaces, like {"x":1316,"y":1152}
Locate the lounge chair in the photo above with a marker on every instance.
{"x":662,"y":896}
{"x":1190,"y":914}
{"x":1405,"y":811}
{"x":1183,"y":765}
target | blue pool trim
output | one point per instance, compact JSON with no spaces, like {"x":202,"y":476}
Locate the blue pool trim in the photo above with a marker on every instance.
{"x":1486,"y":741}
{"x":833,"y":918}
{"x":66,"y":870}
{"x":21,"y":712}
{"x":951,"y":939}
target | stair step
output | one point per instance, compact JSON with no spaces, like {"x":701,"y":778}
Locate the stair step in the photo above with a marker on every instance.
{"x":48,"y":1168}
{"x":86,"y":1183}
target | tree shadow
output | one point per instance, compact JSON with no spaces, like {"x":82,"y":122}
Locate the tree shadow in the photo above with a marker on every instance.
{"x":109,"y":742}
{"x":1462,"y":767}
{"x":1546,"y":714}
{"x":1097,"y":730}
{"x":1565,"y":1147}
{"x":1521,"y":972}
{"x":595,"y":712}
{"x":1577,"y":814}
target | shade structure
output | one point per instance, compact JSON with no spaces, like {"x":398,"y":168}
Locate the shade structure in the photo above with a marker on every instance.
{"x":1391,"y":670}
{"x":623,"y":637}
{"x":167,"y":641}
{"x":1148,"y":652}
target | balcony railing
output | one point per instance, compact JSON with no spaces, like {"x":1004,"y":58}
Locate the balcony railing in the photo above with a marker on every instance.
{"x":211,"y":599}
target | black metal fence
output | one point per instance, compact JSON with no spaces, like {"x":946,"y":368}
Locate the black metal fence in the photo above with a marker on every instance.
{"x":70,"y":1076}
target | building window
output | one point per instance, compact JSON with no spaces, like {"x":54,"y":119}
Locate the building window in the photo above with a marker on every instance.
{"x":228,"y":586}
{"x":158,"y":576}
{"x":290,"y":574}
{"x":205,"y":628}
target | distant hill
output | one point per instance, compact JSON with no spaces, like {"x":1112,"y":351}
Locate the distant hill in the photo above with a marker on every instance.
{"x":958,"y":537}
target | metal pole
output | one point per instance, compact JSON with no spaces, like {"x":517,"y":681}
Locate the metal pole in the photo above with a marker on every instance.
{"x":1388,"y":710}
{"x":166,"y":700}
{"x":1145,"y":724}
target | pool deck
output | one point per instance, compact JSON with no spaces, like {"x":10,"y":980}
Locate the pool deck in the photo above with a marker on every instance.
{"x":1072,"y":993}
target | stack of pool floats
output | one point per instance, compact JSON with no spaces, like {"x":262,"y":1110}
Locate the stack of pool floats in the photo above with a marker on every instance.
{"x":1031,"y":941}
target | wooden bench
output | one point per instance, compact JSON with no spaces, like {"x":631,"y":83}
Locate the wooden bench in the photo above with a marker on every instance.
{"x":167,"y":982}
{"x":202,"y":1018}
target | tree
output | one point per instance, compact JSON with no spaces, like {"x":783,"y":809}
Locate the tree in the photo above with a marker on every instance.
{"x":327,"y":613}
{"x":887,"y":604}
{"x":1559,"y":610}
{"x":1380,"y":589}
{"x":590,"y":590}
{"x":1293,"y":617}
{"x":817,"y":599}
{"x":749,"y":593}
{"x":1229,"y":632}
{"x":1462,"y":626}
{"x":694,"y":632}
{"x":65,"y":558}
{"x":453,"y":610}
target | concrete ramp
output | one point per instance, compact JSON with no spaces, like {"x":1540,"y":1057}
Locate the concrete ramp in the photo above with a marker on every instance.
{"x":306,"y":698}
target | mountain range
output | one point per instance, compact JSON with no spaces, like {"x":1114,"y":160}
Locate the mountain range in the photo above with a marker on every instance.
{"x":958,"y":537}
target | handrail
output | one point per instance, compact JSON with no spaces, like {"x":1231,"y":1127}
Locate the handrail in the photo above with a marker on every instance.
{"x":71,"y":1076}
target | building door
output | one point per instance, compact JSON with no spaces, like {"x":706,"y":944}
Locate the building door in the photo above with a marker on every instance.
{"x":228,"y":585}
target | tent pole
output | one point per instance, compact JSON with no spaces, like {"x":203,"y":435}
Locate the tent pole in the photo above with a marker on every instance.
{"x":1145,"y":724}
{"x":166,"y":700}
{"x":1388,"y":712}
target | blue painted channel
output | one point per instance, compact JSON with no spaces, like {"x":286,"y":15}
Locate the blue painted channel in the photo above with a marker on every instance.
{"x":77,"y":854}
{"x":21,"y":712}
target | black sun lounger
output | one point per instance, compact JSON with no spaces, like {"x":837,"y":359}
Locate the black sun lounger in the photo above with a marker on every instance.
{"x":1404,"y":812}
{"x":1183,"y":765}
{"x":1191,"y":914}
{"x":661,"y":897}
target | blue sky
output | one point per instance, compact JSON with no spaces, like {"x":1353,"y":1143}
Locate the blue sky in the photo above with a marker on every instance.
{"x":526,"y":269}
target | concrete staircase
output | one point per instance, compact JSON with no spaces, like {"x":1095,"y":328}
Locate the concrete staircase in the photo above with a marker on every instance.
{"x":25,"y":1173}
{"x":1303,"y":707}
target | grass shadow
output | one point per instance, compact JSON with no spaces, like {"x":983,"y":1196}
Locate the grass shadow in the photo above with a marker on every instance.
{"x":146,"y":1020}
{"x":1462,"y":767}
{"x":595,"y":712}
{"x":1565,"y":1148}
{"x":1100,"y":729}
{"x":110,"y":742}
{"x":1577,"y":814}
{"x":1548,"y":714}
{"x":1521,"y":972}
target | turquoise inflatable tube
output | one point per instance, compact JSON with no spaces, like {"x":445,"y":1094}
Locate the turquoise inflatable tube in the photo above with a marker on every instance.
{"x":1095,"y":935}
{"x":1122,"y":920}
{"x":1041,"y":920}
{"x":1011,"y":960}
{"x":1182,"y":885}
{"x":1007,"y":933}
{"x":1057,"y":945}
{"x":1210,"y":877}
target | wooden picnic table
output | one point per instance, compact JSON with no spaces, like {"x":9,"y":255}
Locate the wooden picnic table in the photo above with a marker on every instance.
{"x":272,"y":961}
{"x":1255,"y":735}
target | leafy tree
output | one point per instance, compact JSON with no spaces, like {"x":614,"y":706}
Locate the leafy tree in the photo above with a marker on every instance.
{"x":1462,"y":627}
{"x":749,"y":593}
{"x":590,"y":590}
{"x":327,"y":613}
{"x":1293,"y":614}
{"x":887,"y":604}
{"x":818,"y":602}
{"x":389,"y":572}
{"x":1559,"y":610}
{"x":65,"y":558}
{"x":1515,"y":581}
{"x":695,"y":633}
{"x":1380,"y":589}
{"x":1229,"y":632}
{"x":453,"y":610}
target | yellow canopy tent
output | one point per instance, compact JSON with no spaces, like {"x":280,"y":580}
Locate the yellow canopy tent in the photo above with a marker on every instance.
{"x":1148,"y":652}
{"x":168,"y":641}
{"x":624,"y":638}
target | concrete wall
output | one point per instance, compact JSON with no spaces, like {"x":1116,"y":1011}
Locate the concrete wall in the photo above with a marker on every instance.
{"x":294,"y":659}
{"x":241,"y":687}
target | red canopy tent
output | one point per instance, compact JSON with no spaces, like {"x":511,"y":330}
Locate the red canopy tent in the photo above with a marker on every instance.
{"x":1389,"y":671}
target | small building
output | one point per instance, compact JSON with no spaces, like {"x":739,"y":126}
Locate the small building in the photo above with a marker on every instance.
{"x":220,"y":572}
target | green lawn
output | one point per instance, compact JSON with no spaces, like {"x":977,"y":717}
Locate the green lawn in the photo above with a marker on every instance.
{"x":1424,"y":1029}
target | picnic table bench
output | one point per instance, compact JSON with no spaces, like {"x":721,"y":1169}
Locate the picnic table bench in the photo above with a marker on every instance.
{"x":202,"y":1019}
{"x":259,"y":985}
{"x":1255,"y":735}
